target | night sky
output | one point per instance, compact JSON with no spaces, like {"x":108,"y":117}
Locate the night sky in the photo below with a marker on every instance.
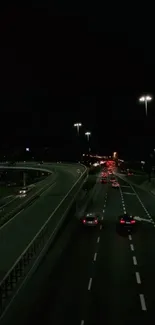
{"x":60,"y":66}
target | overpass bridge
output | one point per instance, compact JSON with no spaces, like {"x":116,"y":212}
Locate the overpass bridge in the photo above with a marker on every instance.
{"x":26,"y":234}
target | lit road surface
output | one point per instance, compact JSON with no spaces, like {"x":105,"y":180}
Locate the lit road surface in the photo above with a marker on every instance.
{"x":100,"y":276}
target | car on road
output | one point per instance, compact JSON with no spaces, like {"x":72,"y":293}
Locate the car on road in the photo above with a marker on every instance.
{"x":104,"y":180}
{"x":130,"y":173}
{"x":115,"y":184}
{"x":104,"y":174}
{"x":112,"y":179}
{"x":23,"y":191}
{"x":90,"y":219}
{"x":126,"y":221}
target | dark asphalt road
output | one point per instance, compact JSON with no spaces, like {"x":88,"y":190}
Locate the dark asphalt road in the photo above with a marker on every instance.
{"x":100,"y":277}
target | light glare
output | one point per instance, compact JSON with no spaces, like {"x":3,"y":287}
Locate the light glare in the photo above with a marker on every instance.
{"x":145,"y":98}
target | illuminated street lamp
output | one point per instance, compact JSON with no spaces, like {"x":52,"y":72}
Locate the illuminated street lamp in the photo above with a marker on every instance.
{"x":77,"y":125}
{"x":145,"y":100}
{"x":88,"y":134}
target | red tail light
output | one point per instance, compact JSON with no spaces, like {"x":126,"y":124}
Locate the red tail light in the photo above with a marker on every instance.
{"x":96,"y":221}
{"x":132,"y":221}
{"x":84,"y":221}
{"x":122,"y":221}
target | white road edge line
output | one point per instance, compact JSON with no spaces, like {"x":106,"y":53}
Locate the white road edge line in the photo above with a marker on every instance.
{"x":17,"y":213}
{"x":95,"y":256}
{"x":134,"y":260}
{"x":142,"y":301}
{"x":50,"y":187}
{"x":89,"y":284}
{"x":138,"y":278}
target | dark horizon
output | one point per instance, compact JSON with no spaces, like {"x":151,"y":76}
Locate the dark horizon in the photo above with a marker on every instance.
{"x":57,"y":70}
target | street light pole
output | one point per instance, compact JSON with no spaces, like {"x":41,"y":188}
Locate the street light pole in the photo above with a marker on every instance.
{"x":145,"y":100}
{"x":88,"y":134}
{"x":78,"y":125}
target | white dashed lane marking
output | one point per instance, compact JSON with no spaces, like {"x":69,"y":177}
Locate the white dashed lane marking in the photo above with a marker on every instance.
{"x":142,"y":301}
{"x":98,"y":239}
{"x":138,"y":278}
{"x":89,"y":284}
{"x":100,"y":227}
{"x":95,"y":256}
{"x":131,"y":247}
{"x":82,"y":322}
{"x":134,"y":260}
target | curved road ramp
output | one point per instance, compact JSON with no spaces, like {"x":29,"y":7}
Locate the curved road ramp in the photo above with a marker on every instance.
{"x":25,"y":238}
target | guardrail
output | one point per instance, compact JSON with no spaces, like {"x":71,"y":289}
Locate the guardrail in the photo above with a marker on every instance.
{"x":46,"y":235}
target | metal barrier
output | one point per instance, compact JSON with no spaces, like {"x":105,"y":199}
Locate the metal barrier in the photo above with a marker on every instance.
{"x":25,"y":262}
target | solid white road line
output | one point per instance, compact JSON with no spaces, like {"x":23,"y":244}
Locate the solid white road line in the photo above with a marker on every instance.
{"x":134,"y":260}
{"x":98,"y":239}
{"x":95,"y":256}
{"x":50,"y":187}
{"x":142,"y":301}
{"x":130,"y":237}
{"x":132,"y":247}
{"x":138,"y":278}
{"x":90,"y":283}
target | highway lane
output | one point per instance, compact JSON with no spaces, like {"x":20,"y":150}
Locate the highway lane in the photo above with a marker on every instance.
{"x":21,"y":229}
{"x":143,"y":243}
{"x":81,"y":250}
{"x":95,"y":280}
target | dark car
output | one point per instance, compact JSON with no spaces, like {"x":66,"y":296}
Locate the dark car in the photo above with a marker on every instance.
{"x":130,"y":173}
{"x":126,"y":222}
{"x":104,"y":180}
{"x":91,"y":219}
{"x":112,"y":179}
